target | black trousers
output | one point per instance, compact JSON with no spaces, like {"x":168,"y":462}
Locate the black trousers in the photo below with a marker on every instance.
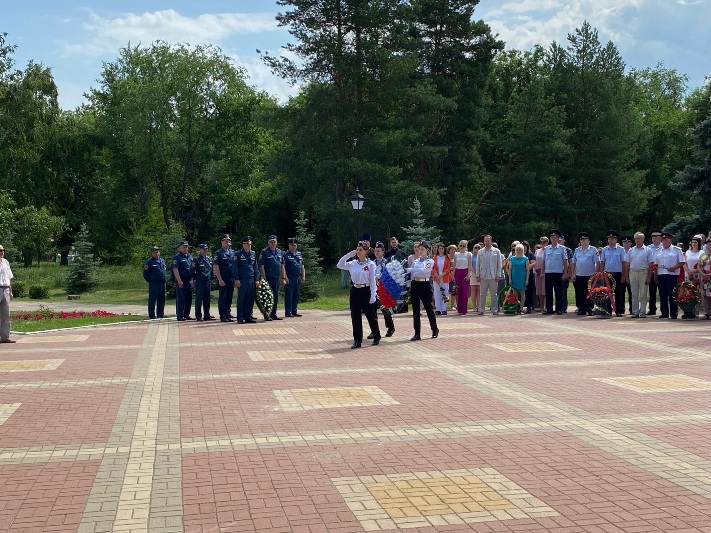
{"x":360,"y":303}
{"x":581,"y":293}
{"x":530,"y":301}
{"x":652,"y":300}
{"x":389,"y":322}
{"x":421,"y":291}
{"x":554,"y":284}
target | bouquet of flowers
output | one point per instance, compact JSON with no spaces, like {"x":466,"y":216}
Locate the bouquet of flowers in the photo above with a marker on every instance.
{"x":686,"y":296}
{"x":600,"y":292}
{"x":264,"y":299}
{"x":392,"y":284}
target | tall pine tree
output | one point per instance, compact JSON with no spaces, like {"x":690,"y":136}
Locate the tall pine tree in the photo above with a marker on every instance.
{"x":311,"y":288}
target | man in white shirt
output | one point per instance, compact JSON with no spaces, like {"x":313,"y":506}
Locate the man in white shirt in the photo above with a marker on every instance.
{"x":638,"y":263}
{"x":5,"y":297}
{"x":669,"y":260}
{"x":488,"y":273}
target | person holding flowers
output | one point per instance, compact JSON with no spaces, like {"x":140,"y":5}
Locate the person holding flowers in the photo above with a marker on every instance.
{"x":704,"y":269}
{"x":363,"y":292}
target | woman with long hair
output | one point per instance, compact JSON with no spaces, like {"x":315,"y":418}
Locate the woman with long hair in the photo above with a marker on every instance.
{"x":363,"y":292}
{"x":475,"y":284}
{"x":540,"y":275}
{"x":441,"y":276}
{"x":421,"y":290}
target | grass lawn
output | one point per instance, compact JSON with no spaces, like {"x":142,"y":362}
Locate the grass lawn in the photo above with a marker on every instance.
{"x":26,"y":326}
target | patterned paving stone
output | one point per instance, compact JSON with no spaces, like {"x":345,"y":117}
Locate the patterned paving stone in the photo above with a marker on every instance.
{"x":30,"y":366}
{"x":532,"y":347}
{"x":528,"y":424}
{"x":42,"y":339}
{"x":659,"y":383}
{"x":437,"y":498}
{"x":329,"y":398}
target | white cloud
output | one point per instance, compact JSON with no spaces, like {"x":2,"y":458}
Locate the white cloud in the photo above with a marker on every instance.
{"x":526,"y":23}
{"x":260,"y":76}
{"x":106,"y":35}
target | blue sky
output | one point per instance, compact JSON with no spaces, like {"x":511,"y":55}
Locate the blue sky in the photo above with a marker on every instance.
{"x":74,"y":37}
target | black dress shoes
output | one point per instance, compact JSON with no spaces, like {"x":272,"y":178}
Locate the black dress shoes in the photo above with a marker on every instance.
{"x":210,"y":318}
{"x":274,"y":317}
{"x":355,"y":345}
{"x":370,"y":337}
{"x":189,"y":318}
{"x":435,"y":334}
{"x":225,"y":320}
{"x":416,"y":337}
{"x":389,"y":332}
{"x":297,"y":314}
{"x":289,"y":316}
{"x":240,"y":321}
{"x":250,"y":321}
{"x":376,"y":342}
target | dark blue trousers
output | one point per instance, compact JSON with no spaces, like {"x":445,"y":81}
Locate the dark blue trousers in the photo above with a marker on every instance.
{"x":183,"y":300}
{"x":291,"y":295}
{"x":245,"y":299}
{"x":667,"y":305}
{"x":202,"y":298}
{"x":274,"y":284}
{"x":224,"y":299}
{"x":156,"y":299}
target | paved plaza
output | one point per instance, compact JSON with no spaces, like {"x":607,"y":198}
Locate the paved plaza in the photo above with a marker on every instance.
{"x":527,"y":423}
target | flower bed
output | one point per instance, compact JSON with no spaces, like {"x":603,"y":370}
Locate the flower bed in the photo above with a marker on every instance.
{"x":55,"y":315}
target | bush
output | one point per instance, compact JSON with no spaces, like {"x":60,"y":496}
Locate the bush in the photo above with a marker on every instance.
{"x":19,"y":289}
{"x":39,"y":292}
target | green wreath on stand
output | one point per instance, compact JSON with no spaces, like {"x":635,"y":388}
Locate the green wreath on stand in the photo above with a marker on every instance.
{"x":265,"y":299}
{"x":510,"y":300}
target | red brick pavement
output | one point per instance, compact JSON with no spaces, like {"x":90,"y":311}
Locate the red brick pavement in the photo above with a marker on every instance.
{"x":602,"y":457}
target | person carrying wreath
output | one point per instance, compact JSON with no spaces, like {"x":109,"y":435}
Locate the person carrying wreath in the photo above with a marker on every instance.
{"x":421,"y":289}
{"x":363,"y":292}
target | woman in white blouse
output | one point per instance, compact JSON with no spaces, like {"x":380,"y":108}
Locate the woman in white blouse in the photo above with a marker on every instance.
{"x":363,"y":292}
{"x":421,"y":290}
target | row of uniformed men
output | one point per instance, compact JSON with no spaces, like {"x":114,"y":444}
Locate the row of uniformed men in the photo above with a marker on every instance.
{"x":240,"y":269}
{"x":641,"y":267}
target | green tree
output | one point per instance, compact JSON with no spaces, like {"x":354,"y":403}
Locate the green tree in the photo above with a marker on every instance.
{"x":311,"y":288}
{"x":663,"y":144}
{"x":82,"y":275}
{"x":36,"y":231}
{"x":694,"y":181}
{"x":602,"y":186}
{"x":419,"y":231}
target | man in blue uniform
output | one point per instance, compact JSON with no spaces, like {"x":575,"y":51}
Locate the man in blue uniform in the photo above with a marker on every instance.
{"x":611,"y":261}
{"x":182,"y":270}
{"x":555,"y":267}
{"x":295,"y":276}
{"x":222,"y":268}
{"x":154,"y":274}
{"x":246,"y":275}
{"x":271,"y":267}
{"x":202,"y":274}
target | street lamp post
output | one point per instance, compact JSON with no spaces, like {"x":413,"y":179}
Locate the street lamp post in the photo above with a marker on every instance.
{"x":357,"y":201}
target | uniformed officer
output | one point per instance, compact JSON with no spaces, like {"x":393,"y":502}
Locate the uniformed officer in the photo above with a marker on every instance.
{"x":585,"y":260}
{"x":653,"y":282}
{"x":202,"y":274}
{"x":222,"y":268}
{"x":669,"y":259}
{"x":246,"y":275}
{"x":611,"y":261}
{"x":295,"y":276}
{"x":555,"y":267}
{"x":271,"y":268}
{"x":182,"y":270}
{"x":154,"y":274}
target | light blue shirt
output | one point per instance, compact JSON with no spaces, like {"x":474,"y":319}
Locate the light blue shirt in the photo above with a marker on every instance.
{"x":555,"y":257}
{"x":585,"y":261}
{"x":613,"y":258}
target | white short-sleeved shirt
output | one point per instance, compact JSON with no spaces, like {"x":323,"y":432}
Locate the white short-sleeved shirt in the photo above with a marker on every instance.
{"x":667,"y":257}
{"x":5,"y":273}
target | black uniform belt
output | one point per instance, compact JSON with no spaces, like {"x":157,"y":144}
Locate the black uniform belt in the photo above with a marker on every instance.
{"x":361,"y":285}
{"x":4,"y":286}
{"x":421,"y":279}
